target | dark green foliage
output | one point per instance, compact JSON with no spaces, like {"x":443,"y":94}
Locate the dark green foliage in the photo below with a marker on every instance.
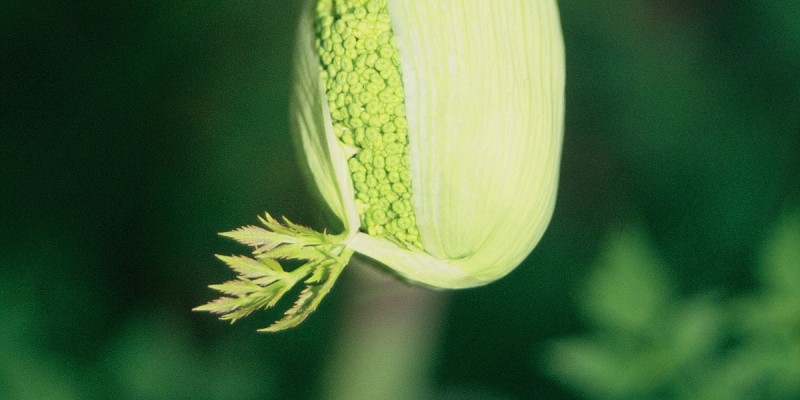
{"x":648,"y":342}
{"x":132,"y":132}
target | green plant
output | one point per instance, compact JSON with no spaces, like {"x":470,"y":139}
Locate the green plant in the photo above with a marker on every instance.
{"x":446,"y":175}
{"x":648,"y":342}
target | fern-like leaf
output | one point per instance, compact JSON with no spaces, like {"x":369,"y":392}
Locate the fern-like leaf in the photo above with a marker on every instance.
{"x":250,"y":268}
{"x":262,"y":282}
{"x":318,"y":286}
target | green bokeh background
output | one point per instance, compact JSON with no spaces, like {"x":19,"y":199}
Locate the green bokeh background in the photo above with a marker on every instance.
{"x":132,"y":132}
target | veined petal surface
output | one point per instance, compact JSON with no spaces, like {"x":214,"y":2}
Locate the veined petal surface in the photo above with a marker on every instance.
{"x":484,"y":86}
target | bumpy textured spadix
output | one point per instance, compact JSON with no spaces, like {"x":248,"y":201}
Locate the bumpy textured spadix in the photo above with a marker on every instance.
{"x":463,"y":99}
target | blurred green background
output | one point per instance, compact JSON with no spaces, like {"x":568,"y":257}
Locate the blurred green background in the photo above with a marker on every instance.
{"x":133,"y":132}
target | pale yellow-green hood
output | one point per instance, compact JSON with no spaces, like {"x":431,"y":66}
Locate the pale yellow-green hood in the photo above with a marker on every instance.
{"x":484,"y":95}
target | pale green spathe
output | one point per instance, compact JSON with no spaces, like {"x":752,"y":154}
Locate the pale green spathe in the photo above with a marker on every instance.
{"x":311,"y":123}
{"x":484,"y":84}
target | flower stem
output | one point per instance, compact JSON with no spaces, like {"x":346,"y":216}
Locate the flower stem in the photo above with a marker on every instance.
{"x":385,"y":348}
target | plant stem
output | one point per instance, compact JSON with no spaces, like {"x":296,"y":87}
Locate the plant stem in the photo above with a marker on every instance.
{"x":385,"y":348}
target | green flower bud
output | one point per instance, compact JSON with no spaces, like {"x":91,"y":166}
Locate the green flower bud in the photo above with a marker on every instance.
{"x":432,"y":130}
{"x":479,"y":88}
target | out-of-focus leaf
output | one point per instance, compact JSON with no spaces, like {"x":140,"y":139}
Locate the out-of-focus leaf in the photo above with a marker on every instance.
{"x":155,"y":358}
{"x":767,"y":315}
{"x":25,"y":375}
{"x":781,"y":257}
{"x":696,"y":332}
{"x":628,"y":291}
{"x":732,"y":379}
{"x":592,"y":368}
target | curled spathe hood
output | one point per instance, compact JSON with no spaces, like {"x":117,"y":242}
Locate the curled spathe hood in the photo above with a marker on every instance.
{"x":484,"y":94}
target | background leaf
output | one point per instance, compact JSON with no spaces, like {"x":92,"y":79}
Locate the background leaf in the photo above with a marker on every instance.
{"x":629,"y":290}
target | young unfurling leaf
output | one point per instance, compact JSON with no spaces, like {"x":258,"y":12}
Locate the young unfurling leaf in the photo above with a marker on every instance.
{"x":432,"y":130}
